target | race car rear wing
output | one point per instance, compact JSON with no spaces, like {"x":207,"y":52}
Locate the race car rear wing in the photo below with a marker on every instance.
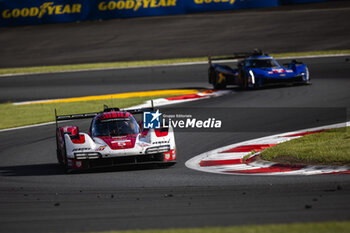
{"x":139,"y":111}
{"x":256,"y":52}
{"x":75,"y":116}
{"x":93,"y":114}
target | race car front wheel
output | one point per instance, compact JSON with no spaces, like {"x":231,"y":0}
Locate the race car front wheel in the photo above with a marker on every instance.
{"x":243,"y":78}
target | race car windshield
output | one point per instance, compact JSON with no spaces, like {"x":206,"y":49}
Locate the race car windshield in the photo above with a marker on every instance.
{"x":262,"y":63}
{"x":114,"y":127}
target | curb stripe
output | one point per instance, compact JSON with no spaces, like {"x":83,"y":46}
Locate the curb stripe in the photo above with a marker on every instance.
{"x":114,"y":96}
{"x":304,"y":133}
{"x":207,"y":163}
{"x":331,"y":173}
{"x":157,"y":103}
{"x":248,"y":148}
{"x":230,"y":159}
{"x":184,"y":97}
{"x":272,"y":169}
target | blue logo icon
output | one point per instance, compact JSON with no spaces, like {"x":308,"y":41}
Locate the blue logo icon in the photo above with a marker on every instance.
{"x":151,"y":120}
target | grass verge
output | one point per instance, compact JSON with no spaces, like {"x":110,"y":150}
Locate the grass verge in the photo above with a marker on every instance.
{"x":21,"y":115}
{"x":314,"y":53}
{"x":60,"y":68}
{"x":324,"y":227}
{"x":331,"y":147}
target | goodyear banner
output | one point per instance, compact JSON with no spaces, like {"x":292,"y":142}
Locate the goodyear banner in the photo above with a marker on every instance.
{"x":216,"y":5}
{"x":26,"y":12}
{"x":106,"y":9}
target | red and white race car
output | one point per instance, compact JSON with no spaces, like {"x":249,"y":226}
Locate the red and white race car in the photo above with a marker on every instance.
{"x":114,"y":138}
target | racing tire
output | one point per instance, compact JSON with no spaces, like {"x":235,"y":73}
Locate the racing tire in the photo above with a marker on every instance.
{"x":211,"y":75}
{"x":59,"y":154}
{"x":243,"y":80}
{"x":59,"y":157}
{"x":64,"y":162}
{"x":308,"y":81}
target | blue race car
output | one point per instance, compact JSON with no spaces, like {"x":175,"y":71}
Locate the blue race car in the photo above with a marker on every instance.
{"x":255,"y":70}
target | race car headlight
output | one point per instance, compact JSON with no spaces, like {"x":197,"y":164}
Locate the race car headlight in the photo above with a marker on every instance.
{"x":252,"y":76}
{"x":92,"y":155}
{"x":304,"y":75}
{"x":158,"y":149}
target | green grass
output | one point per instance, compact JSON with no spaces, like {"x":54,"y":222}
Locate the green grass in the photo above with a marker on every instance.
{"x":314,"y":53}
{"x":325,"y":227}
{"x":21,"y":115}
{"x":58,"y":68}
{"x":331,"y":147}
{"x":248,"y":155}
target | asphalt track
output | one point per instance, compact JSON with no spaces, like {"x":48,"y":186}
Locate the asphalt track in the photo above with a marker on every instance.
{"x":296,"y":28}
{"x":36,"y":196}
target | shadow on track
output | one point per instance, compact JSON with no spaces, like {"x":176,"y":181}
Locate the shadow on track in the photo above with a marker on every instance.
{"x":275,"y":86}
{"x":32,"y":170}
{"x":49,"y":169}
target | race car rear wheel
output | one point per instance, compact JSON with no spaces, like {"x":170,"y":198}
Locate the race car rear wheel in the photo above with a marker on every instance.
{"x":211,"y":75}
{"x":59,"y":152}
{"x":62,"y":159}
{"x":59,"y":157}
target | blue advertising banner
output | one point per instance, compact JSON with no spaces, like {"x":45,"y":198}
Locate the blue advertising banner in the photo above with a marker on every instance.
{"x":285,"y":2}
{"x":106,"y":9}
{"x":217,"y":5}
{"x":26,"y":12}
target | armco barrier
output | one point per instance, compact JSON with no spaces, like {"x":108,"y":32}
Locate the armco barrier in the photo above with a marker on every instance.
{"x":26,"y":12}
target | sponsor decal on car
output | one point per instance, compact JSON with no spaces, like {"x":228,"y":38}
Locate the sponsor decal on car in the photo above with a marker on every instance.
{"x":81,"y":149}
{"x":161,"y":142}
{"x":78,"y":164}
{"x":278,"y":70}
{"x":69,"y":163}
{"x":101,"y":148}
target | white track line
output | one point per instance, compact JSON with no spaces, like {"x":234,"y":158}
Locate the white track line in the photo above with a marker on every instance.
{"x":27,"y":126}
